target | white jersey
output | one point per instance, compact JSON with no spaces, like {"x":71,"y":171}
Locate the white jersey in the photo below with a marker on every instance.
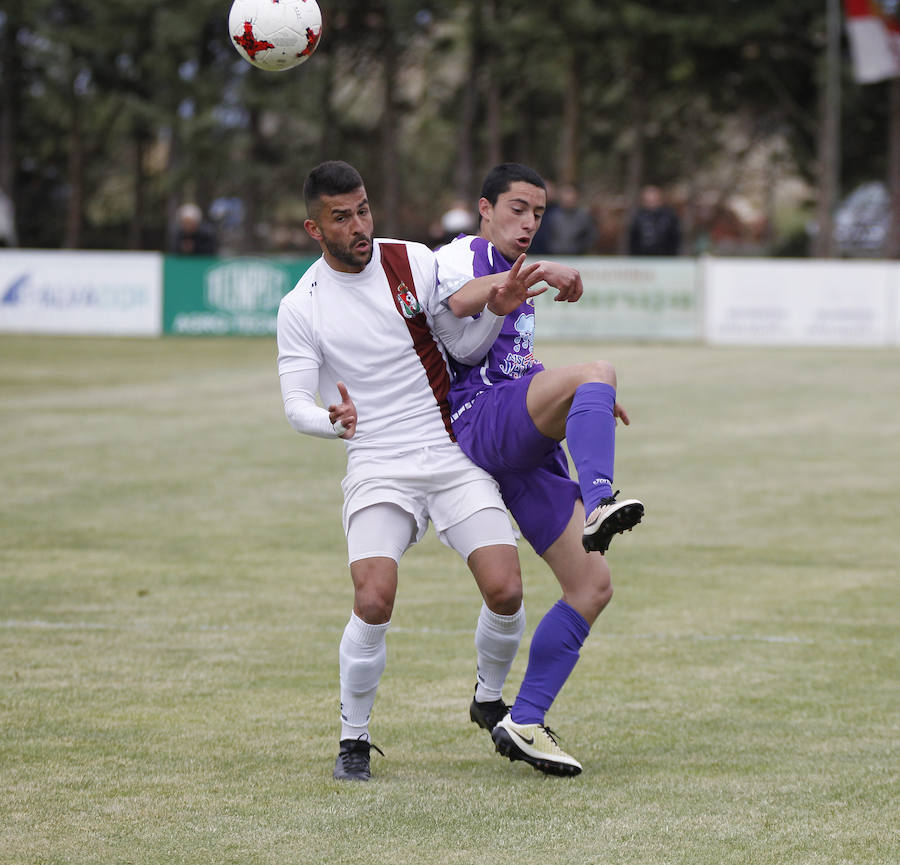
{"x":373,"y":332}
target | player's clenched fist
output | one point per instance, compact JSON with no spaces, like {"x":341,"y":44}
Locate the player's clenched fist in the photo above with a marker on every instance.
{"x":343,"y":415}
{"x":566,"y":280}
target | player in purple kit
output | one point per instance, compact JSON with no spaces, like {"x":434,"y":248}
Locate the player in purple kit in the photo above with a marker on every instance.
{"x":509,"y":416}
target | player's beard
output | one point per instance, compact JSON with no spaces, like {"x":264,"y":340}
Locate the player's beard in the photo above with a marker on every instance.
{"x":346,"y":255}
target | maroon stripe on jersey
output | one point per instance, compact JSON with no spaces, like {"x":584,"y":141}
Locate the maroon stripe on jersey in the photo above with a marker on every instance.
{"x":395,"y":262}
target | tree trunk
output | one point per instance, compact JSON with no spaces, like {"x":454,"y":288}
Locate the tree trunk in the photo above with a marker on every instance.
{"x":829,"y":136}
{"x":9,"y":114}
{"x":694,"y":119}
{"x":387,"y":217}
{"x":493,"y":103}
{"x":251,"y":241}
{"x":464,"y":172}
{"x":136,"y":229}
{"x":569,"y":155}
{"x":329,"y":137}
{"x":75,"y":176}
{"x":634,"y":164}
{"x":173,"y":199}
{"x":892,"y":249}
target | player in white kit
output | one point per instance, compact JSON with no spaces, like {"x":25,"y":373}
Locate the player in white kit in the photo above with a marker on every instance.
{"x":360,"y":330}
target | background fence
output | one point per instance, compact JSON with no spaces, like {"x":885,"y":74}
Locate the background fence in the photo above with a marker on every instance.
{"x":716,"y":301}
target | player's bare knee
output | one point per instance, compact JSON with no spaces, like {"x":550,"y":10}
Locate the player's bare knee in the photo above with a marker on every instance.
{"x":597,"y":592}
{"x":504,"y":597}
{"x":373,"y":600}
{"x":602,"y":597}
{"x":374,"y":589}
{"x":372,"y":607}
{"x":499,"y":577}
{"x":600,"y":371}
{"x":589,"y":600}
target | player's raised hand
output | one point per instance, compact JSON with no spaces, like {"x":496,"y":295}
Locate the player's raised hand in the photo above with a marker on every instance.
{"x":516,"y":288}
{"x":343,"y":414}
{"x":619,"y":412}
{"x":566,"y":280}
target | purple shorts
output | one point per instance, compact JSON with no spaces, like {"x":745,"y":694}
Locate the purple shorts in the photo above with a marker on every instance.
{"x":497,"y":433}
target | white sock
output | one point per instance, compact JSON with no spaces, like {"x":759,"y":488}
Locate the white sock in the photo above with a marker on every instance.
{"x":363,"y":655}
{"x":497,"y":640}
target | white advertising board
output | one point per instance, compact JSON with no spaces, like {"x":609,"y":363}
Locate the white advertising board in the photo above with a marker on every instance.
{"x":96,"y":293}
{"x":625,"y":298}
{"x":895,"y":300}
{"x":800,"y":302}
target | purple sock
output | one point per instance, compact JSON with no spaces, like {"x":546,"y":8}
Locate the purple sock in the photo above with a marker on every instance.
{"x":555,"y":645}
{"x":591,"y":437}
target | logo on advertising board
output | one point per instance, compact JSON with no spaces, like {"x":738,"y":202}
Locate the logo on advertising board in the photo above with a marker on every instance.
{"x":627,"y":299}
{"x":66,"y":293}
{"x":233,"y":296}
{"x":245,"y":286}
{"x":12,"y":292}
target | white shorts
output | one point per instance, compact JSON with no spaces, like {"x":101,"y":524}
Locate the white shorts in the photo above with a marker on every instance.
{"x":385,"y":530}
{"x":439,"y":483}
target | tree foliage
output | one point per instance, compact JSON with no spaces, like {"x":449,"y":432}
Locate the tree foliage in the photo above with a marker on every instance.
{"x":113,"y":112}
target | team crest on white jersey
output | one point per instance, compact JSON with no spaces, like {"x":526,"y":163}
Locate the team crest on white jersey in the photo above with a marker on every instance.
{"x":407,"y":301}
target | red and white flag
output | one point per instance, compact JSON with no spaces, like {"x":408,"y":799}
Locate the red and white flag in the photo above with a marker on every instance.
{"x":874,"y":36}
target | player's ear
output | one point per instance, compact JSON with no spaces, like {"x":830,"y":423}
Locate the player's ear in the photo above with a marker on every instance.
{"x":312,"y":230}
{"x":485,"y":208}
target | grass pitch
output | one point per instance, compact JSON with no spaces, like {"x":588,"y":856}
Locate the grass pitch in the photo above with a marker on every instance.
{"x":173,"y":589}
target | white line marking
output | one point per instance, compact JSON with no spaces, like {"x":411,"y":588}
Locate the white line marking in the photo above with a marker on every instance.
{"x":789,"y":639}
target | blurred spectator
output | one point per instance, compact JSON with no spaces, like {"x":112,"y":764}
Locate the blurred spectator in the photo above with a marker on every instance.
{"x":570,"y":227}
{"x":540,"y":243}
{"x":862,"y":221}
{"x":457,"y":220}
{"x":193,"y":235}
{"x":655,"y":229}
{"x":227,"y":216}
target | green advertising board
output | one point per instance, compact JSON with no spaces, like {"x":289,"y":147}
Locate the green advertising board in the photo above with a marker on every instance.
{"x":226,"y":296}
{"x":623,"y":298}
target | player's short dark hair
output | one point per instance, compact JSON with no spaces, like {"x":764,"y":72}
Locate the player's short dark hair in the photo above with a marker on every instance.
{"x":329,"y":178}
{"x":502,"y":176}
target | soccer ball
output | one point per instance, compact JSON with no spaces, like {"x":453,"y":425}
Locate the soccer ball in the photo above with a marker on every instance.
{"x":275,"y":34}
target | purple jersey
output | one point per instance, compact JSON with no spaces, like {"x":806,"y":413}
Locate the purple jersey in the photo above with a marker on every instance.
{"x":490,"y":414}
{"x":512,"y":355}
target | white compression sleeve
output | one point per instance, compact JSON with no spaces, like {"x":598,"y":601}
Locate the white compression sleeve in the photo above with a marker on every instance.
{"x":298,"y":390}
{"x":467,"y":339}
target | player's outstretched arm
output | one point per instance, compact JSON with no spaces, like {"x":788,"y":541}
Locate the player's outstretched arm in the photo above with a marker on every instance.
{"x":473,"y":296}
{"x":469,"y":339}
{"x":466,"y":339}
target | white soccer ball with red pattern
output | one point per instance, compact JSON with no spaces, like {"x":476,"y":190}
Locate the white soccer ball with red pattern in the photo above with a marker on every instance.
{"x":275,"y":34}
